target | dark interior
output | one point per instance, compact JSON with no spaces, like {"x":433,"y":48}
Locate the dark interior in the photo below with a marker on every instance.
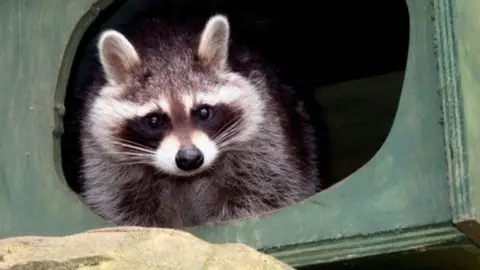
{"x":346,"y":57}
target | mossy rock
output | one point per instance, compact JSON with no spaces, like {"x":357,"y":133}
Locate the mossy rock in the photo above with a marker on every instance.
{"x":129,"y":248}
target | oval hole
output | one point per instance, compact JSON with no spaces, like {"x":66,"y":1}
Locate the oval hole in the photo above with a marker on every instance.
{"x":348,"y":59}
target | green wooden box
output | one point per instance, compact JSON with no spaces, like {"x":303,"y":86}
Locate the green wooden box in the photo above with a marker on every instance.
{"x":413,"y":205}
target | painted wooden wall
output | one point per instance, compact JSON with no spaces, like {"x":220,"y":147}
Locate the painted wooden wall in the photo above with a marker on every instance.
{"x":36,"y":37}
{"x":463,"y":133}
{"x":400,"y":199}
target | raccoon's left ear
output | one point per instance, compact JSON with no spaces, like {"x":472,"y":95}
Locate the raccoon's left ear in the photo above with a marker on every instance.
{"x":119,"y":58}
{"x":214,"y":42}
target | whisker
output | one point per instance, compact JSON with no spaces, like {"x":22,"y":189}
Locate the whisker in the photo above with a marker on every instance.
{"x":134,"y":147}
{"x":227,"y":135}
{"x":130,"y":163}
{"x":131,"y":158}
{"x":226,"y":126}
{"x":126,"y":157}
{"x":157,"y":172}
{"x":129,"y":142}
{"x":131,"y":154}
{"x":223,"y":129}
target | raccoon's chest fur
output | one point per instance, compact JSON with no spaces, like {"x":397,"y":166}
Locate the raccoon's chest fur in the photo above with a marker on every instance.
{"x":244,"y":184}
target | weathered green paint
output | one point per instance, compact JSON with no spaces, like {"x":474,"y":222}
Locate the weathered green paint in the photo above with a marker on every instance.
{"x":400,"y":200}
{"x":465,"y":125}
{"x":34,"y":38}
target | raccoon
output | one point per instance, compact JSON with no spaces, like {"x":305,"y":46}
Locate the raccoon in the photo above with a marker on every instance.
{"x":186,"y":128}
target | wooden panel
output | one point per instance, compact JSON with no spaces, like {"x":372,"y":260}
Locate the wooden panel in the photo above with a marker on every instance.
{"x":402,"y":188}
{"x":33,"y":38}
{"x":463,"y":103}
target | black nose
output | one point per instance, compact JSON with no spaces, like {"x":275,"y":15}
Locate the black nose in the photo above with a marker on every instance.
{"x":189,"y":159}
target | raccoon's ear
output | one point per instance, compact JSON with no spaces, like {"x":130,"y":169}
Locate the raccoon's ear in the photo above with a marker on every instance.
{"x":214,"y":42}
{"x":118,"y":57}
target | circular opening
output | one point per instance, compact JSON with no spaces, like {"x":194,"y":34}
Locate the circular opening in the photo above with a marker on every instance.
{"x":346,"y":60}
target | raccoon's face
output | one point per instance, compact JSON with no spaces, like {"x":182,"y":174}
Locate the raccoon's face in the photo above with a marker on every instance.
{"x":177,"y":120}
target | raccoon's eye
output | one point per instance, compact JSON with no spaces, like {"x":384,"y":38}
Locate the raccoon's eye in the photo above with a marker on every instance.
{"x":203,"y":112}
{"x":154,"y":121}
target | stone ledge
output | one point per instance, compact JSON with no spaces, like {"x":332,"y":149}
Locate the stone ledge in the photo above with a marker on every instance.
{"x":129,"y":248}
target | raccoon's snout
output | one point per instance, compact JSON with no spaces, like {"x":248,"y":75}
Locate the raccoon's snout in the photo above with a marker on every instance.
{"x":187,"y":156}
{"x":189,"y":159}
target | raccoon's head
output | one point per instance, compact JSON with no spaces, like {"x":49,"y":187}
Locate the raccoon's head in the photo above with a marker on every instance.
{"x":175,"y":110}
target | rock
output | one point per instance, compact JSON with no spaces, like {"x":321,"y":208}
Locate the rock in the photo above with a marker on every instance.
{"x":129,"y":248}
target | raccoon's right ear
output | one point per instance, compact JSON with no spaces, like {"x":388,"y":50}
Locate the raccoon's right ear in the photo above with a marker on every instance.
{"x":119,"y":58}
{"x":214,"y":42}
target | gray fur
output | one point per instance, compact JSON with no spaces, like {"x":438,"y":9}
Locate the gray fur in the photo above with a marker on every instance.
{"x":255,"y":172}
